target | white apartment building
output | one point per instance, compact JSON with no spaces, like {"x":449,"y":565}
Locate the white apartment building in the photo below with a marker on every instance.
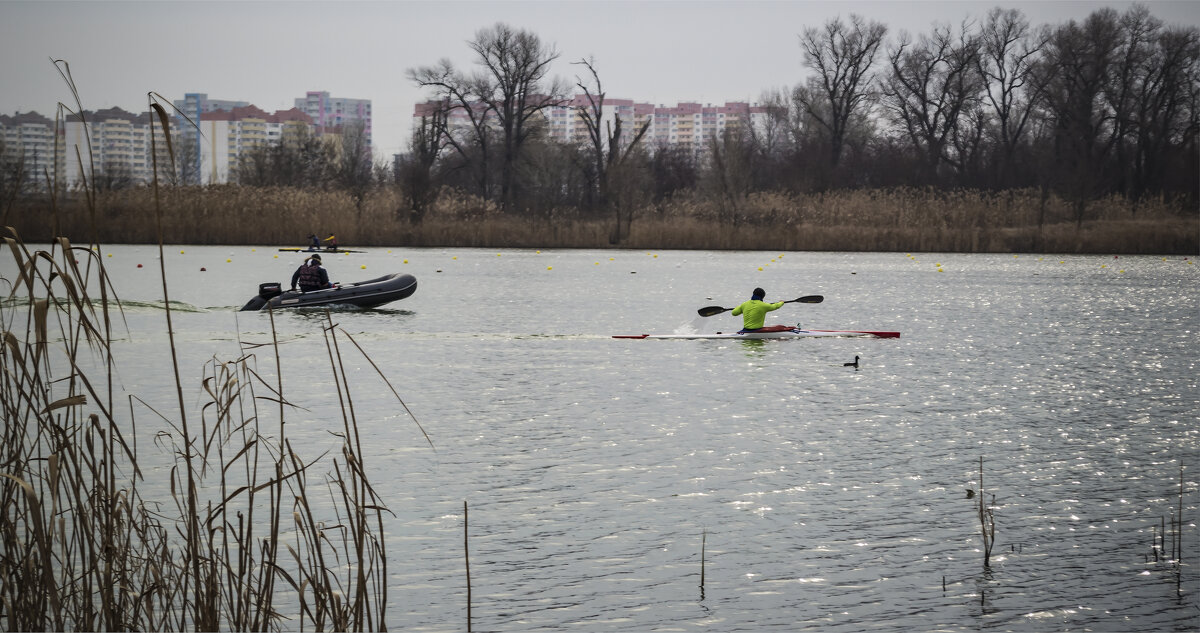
{"x":118,"y":151}
{"x":28,"y":140}
{"x":228,"y":135}
{"x":330,"y":114}
{"x":687,"y":125}
{"x":193,"y":106}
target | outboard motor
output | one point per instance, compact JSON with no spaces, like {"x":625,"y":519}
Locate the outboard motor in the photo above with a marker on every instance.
{"x":266,"y":292}
{"x":270,"y":290}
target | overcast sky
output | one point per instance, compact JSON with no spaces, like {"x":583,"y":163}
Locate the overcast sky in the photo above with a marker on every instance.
{"x":271,"y":52}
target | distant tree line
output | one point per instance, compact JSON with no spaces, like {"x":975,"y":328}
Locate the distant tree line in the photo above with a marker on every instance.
{"x":1109,"y":105}
{"x":1106,"y":106}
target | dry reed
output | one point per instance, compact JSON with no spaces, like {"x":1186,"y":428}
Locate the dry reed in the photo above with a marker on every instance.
{"x":83,"y":548}
{"x":987,"y":521}
{"x":901,"y":219}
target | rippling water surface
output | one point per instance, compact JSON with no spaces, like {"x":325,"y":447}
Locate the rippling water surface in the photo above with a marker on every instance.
{"x":604,"y":476}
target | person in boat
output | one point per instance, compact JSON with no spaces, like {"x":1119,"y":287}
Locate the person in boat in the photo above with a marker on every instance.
{"x":311,"y":276}
{"x":332,"y":246}
{"x":754,"y":312}
{"x":314,"y":242}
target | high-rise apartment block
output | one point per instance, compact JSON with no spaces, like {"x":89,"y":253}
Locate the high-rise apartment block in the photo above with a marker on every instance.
{"x":27,"y":143}
{"x":210,"y":137}
{"x":685,"y":125}
{"x":116,"y":149}
{"x":226,"y":136}
{"x":331,"y":114}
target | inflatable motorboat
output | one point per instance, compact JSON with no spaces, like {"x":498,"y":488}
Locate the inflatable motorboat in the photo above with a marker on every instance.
{"x":363,"y":294}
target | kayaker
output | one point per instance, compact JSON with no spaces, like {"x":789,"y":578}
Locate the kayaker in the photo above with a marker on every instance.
{"x":314,"y":242}
{"x":754,"y":312}
{"x":311,"y":275}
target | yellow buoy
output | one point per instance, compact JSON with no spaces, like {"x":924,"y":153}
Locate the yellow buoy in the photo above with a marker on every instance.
{"x":760,"y":267}
{"x":364,"y":267}
{"x":228,"y":260}
{"x":180,"y":252}
{"x":549,"y":268}
{"x":406,"y":261}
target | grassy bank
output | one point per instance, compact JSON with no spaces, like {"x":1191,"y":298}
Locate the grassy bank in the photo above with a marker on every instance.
{"x":857,"y":220}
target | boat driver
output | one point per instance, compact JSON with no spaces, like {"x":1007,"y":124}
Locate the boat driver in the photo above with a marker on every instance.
{"x":311,"y":275}
{"x":754,"y":312}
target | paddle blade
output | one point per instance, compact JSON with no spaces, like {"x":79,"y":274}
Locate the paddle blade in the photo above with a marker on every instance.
{"x":810,"y":299}
{"x":712,"y":310}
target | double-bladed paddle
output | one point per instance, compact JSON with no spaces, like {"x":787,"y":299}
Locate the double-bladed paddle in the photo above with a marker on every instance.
{"x":715,"y":310}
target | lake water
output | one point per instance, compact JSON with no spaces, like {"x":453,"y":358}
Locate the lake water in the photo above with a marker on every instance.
{"x":825,"y":498}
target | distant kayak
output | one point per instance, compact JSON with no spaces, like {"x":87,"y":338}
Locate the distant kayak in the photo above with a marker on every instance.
{"x":297,"y":249}
{"x":363,"y":294}
{"x":772,"y":332}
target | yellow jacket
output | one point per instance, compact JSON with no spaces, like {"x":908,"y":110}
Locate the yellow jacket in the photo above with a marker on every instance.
{"x":754,"y":313}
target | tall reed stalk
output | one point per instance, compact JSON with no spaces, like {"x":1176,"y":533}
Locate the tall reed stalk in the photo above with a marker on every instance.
{"x":987,"y":521}
{"x":82,"y":544}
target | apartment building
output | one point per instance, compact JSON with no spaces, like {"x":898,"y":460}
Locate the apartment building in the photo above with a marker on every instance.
{"x":116,"y":152}
{"x":187,"y":115}
{"x":330,"y":115}
{"x":28,"y":142}
{"x":226,"y":136}
{"x":686,"y":125}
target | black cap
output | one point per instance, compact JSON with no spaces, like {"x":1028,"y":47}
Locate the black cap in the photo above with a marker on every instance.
{"x":758,"y":293}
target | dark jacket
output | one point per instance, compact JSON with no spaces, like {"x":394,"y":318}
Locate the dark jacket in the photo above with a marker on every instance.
{"x":311,"y":276}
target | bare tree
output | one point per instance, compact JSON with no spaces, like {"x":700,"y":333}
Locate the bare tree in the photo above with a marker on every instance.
{"x":930,"y":84}
{"x":459,"y":95}
{"x":354,"y":164}
{"x":731,"y":168}
{"x":842,"y":54}
{"x":415,"y":171}
{"x":507,"y":92}
{"x":515,"y":64}
{"x":608,"y":150}
{"x":778,"y":127}
{"x":1009,"y":49}
{"x":1075,"y":73}
{"x":1138,"y":34}
{"x":1165,"y":110}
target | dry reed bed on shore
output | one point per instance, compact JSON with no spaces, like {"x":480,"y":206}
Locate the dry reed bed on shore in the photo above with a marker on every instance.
{"x":861,"y":220}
